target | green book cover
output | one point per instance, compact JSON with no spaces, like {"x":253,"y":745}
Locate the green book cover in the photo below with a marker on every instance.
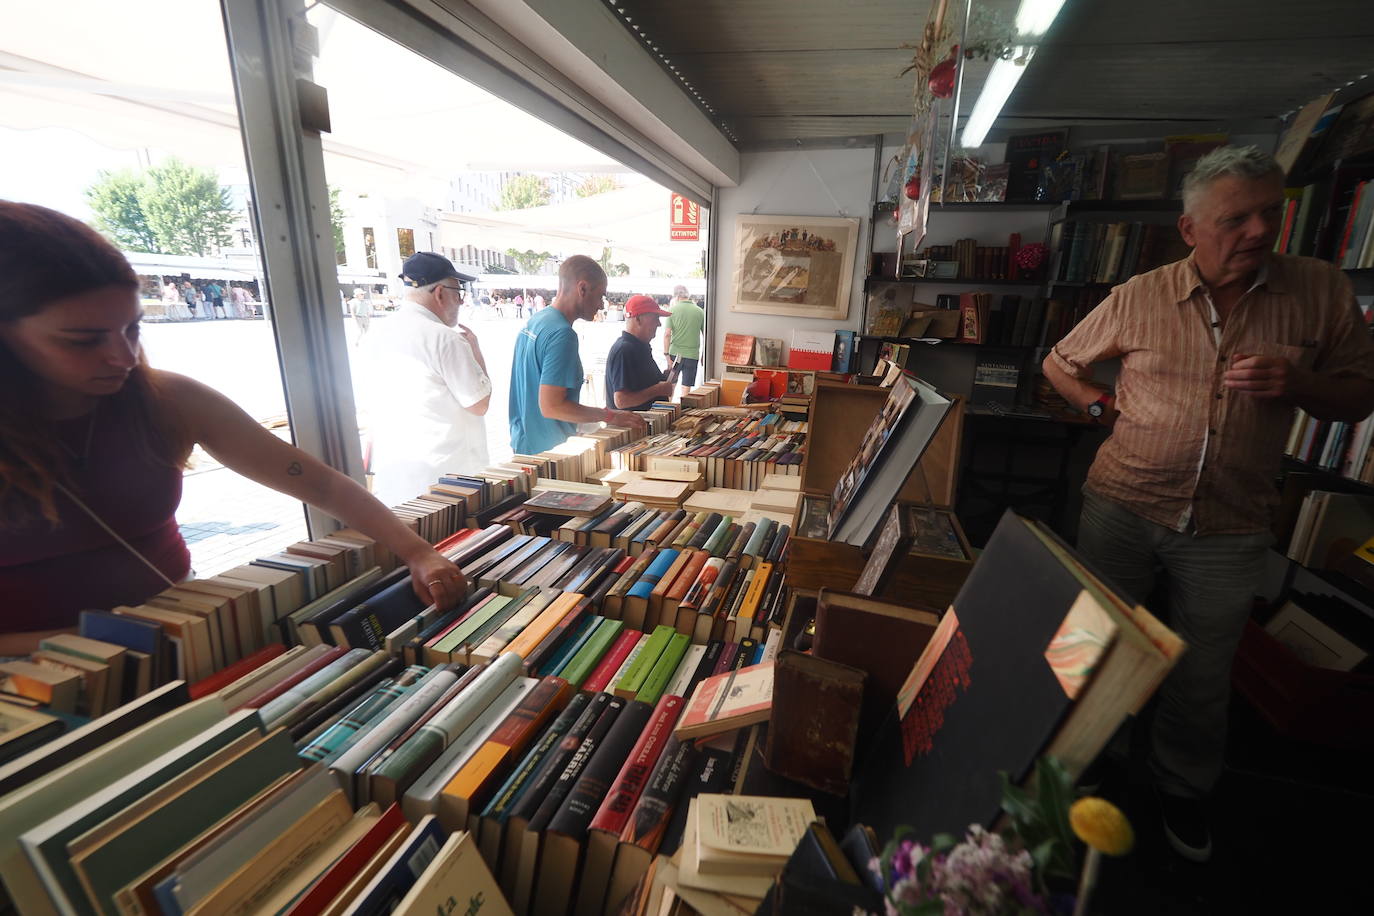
{"x":498,"y":620}
{"x":581,"y":664}
{"x":459,"y":634}
{"x":664,"y":669}
{"x":48,"y":841}
{"x":181,"y":819}
{"x":633,"y":679}
{"x":713,"y":543}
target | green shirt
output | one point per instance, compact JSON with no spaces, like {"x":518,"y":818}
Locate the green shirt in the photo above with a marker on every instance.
{"x":684,"y":324}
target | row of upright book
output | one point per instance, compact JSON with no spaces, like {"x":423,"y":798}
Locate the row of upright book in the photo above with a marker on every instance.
{"x":1108,"y":253}
{"x":1333,"y":445}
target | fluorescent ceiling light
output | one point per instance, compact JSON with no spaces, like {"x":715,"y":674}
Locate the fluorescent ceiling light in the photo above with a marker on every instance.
{"x":1033,"y":20}
{"x":1035,"y":16}
{"x":1002,"y":79}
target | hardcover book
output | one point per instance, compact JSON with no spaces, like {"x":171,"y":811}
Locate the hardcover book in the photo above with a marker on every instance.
{"x":993,"y":690}
{"x":566,"y":502}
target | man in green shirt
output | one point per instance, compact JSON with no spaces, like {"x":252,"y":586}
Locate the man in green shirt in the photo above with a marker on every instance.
{"x":682,"y":335}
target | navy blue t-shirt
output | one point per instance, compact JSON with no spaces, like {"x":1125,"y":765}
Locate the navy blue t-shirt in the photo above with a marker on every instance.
{"x":630,"y":366}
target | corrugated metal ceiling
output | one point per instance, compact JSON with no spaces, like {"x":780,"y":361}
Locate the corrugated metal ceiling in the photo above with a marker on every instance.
{"x":778,"y":70}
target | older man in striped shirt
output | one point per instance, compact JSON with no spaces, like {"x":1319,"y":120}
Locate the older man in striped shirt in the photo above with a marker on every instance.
{"x":1215,"y":352}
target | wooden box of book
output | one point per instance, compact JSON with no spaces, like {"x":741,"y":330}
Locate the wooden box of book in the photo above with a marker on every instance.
{"x":844,"y":413}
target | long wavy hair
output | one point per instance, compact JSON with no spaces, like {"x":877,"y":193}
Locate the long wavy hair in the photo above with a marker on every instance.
{"x":46,"y":256}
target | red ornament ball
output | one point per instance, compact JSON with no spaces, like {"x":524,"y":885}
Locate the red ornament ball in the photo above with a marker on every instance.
{"x":942,"y":75}
{"x":913,"y":187}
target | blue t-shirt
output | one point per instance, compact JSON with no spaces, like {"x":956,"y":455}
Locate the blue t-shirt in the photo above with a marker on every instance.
{"x":545,"y":354}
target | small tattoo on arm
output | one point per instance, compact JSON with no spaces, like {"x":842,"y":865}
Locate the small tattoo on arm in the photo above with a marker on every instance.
{"x":295,"y":469}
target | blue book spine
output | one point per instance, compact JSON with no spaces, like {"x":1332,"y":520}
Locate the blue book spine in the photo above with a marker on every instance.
{"x":757,"y":539}
{"x":662,"y":560}
{"x":584,"y":633}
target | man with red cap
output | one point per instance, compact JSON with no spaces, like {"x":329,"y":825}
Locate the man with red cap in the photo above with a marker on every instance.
{"x":633,"y":379}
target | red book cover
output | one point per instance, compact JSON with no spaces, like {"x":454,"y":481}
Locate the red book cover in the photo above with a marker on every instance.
{"x":615,"y":809}
{"x":1289,"y":212}
{"x":726,"y":660}
{"x":329,"y":885}
{"x":222,"y":679}
{"x":453,"y":540}
{"x":268,"y":696}
{"x":1350,"y":221}
{"x":610,"y":663}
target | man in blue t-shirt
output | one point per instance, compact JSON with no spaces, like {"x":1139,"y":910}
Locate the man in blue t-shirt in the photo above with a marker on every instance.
{"x":546,"y":375}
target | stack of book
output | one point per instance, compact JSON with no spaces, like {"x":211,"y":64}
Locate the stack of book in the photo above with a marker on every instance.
{"x":733,"y":448}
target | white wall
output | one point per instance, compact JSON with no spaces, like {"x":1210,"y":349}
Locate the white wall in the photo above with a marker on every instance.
{"x":781,"y":183}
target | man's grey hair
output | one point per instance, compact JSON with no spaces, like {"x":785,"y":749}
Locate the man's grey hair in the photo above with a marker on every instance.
{"x":1228,"y":161}
{"x":680,"y":291}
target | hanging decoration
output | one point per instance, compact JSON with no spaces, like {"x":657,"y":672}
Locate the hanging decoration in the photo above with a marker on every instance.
{"x":942,"y":75}
{"x":935,"y":65}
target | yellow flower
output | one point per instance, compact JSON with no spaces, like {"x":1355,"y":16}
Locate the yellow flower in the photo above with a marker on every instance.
{"x":1102,"y":826}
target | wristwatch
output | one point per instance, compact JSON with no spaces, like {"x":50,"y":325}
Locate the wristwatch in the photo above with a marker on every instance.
{"x":1098,"y":408}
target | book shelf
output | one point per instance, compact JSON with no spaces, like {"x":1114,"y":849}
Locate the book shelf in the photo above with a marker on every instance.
{"x":944,"y":281}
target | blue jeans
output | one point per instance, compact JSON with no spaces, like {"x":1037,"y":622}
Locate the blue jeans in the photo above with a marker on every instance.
{"x":1212,"y":581}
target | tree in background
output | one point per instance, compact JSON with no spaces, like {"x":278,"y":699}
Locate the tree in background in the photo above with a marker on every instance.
{"x":597,"y":184}
{"x":523,"y":192}
{"x":336,"y":221}
{"x":530,"y":262}
{"x":174,"y":208}
{"x":118,"y":214}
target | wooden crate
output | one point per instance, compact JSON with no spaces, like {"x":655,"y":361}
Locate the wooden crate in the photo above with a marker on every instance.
{"x":840,"y":415}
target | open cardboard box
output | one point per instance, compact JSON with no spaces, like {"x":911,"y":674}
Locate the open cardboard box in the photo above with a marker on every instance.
{"x":840,"y":414}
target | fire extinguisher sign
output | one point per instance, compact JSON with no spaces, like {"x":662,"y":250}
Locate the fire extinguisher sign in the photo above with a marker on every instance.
{"x":684,"y":219}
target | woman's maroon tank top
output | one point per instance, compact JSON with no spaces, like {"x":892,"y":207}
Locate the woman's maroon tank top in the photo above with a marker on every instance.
{"x":48,"y":574}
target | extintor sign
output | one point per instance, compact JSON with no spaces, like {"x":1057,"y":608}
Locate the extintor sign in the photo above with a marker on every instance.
{"x":684,"y":220}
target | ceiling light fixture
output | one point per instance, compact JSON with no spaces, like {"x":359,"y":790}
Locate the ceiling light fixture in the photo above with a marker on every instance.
{"x":1033,"y":20}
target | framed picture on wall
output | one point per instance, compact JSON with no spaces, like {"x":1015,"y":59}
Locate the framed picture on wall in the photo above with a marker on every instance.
{"x":794,"y":265}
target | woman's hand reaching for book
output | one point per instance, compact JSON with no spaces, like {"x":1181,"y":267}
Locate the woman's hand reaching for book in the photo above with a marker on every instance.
{"x":436,"y":580}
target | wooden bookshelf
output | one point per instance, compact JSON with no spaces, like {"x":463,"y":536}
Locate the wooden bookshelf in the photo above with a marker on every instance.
{"x":845,"y":412}
{"x":983,"y":207}
{"x":1070,"y":208}
{"x":957,"y":281}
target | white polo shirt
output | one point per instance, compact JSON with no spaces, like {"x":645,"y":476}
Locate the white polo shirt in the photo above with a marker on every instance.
{"x":419,"y":376}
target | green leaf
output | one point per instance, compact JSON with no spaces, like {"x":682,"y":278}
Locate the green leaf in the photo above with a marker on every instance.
{"x":942,"y":843}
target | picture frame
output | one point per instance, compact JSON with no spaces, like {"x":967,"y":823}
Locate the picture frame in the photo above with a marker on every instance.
{"x":799,"y":266}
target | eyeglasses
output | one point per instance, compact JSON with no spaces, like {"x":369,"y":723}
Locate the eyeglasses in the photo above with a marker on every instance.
{"x":457,"y":289}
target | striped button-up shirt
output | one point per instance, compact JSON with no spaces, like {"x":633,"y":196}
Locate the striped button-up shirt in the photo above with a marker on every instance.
{"x":1187,"y":452}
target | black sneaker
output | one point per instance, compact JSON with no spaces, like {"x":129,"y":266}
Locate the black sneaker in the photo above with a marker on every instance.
{"x":1185,"y":826}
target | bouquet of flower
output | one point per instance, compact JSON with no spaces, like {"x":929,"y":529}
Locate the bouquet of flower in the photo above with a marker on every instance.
{"x":1012,"y":873}
{"x":983,"y":875}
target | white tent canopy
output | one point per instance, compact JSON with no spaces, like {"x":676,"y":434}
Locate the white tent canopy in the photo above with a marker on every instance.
{"x":631,"y":221}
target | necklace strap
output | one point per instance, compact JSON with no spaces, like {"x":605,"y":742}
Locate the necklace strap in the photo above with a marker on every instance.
{"x":114,"y":534}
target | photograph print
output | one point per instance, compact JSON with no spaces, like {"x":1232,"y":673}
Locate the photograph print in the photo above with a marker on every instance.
{"x":794,"y":265}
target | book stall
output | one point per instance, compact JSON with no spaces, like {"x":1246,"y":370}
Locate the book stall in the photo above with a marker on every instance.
{"x":658,"y":688}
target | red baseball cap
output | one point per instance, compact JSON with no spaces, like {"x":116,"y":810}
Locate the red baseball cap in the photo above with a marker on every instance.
{"x":643,"y":305}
